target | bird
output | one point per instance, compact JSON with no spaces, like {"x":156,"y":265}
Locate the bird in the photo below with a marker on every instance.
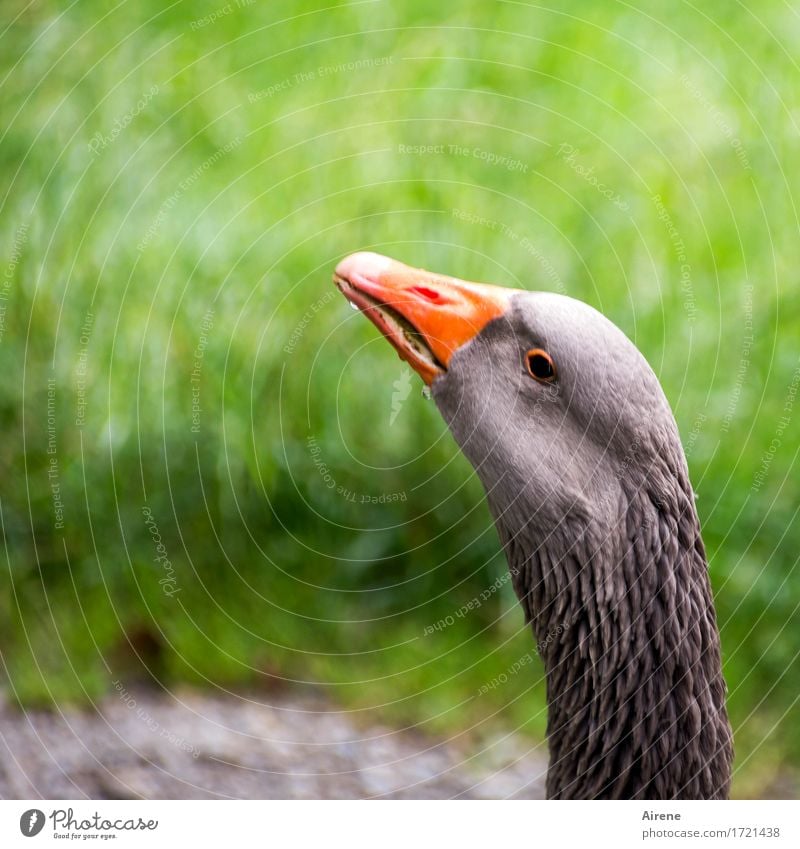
{"x":579,"y":453}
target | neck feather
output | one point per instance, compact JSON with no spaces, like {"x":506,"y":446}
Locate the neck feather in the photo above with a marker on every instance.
{"x":625,"y":620}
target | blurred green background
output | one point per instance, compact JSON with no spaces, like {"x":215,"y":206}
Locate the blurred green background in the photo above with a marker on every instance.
{"x":177,"y":184}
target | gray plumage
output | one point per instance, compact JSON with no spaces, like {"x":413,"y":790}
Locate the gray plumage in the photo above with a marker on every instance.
{"x":588,"y":485}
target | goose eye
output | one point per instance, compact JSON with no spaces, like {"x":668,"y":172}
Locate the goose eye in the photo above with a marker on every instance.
{"x":541,"y":365}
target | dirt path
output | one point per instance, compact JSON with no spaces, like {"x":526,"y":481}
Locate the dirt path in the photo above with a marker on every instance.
{"x":191,"y":744}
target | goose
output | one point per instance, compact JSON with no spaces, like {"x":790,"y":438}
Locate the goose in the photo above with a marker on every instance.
{"x":578,"y":451}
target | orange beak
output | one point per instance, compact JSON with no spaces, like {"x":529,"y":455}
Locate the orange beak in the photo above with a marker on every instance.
{"x":427,"y":317}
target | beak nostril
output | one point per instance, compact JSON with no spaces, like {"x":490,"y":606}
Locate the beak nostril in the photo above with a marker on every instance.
{"x":425,"y":292}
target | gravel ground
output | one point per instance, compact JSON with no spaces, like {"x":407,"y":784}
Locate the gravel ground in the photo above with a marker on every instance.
{"x":196,"y":745}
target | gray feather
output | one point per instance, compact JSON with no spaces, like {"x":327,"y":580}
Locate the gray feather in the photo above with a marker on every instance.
{"x":589,"y":489}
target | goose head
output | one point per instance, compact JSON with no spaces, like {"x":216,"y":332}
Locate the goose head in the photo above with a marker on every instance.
{"x":575,"y":443}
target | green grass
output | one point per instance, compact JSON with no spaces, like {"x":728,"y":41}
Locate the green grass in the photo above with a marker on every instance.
{"x":235,"y":187}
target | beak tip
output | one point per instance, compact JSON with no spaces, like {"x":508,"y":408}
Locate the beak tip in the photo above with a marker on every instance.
{"x":364,"y":263}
